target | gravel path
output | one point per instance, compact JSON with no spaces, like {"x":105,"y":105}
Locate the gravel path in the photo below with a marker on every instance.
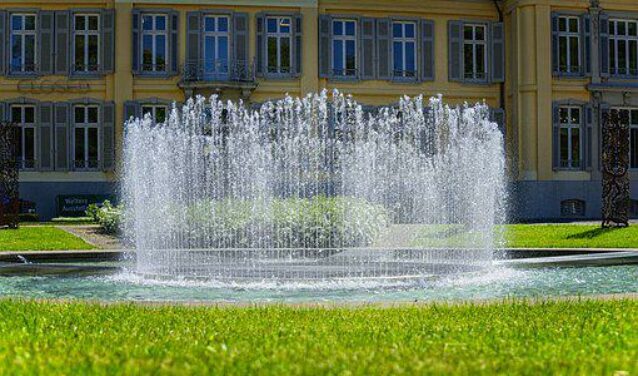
{"x":92,"y":234}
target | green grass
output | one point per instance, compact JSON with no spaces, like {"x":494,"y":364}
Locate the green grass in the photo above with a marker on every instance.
{"x":571,"y":236}
{"x":586,"y":337}
{"x":40,"y":238}
{"x":537,"y":236}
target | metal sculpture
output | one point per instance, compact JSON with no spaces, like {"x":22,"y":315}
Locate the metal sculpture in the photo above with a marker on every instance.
{"x":9,"y":195}
{"x":615,"y":166}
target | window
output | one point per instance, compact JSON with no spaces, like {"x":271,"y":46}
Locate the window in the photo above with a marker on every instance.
{"x":86,"y":42}
{"x":569,"y":44}
{"x":404,"y":49}
{"x":85,"y":137}
{"x":570,"y":150}
{"x":23,"y":43}
{"x":344,"y":48}
{"x":278,"y":39}
{"x":216,"y":46}
{"x":157,"y":112}
{"x":24,"y":116}
{"x":623,"y":47}
{"x":474,"y":52}
{"x":154,"y":42}
{"x":632,"y":115}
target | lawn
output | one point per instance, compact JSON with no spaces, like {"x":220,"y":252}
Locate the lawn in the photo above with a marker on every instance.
{"x":578,"y":337}
{"x":537,"y":236}
{"x":45,"y":238}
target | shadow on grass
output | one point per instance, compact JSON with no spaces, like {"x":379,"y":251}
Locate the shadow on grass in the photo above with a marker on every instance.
{"x":594,"y":233}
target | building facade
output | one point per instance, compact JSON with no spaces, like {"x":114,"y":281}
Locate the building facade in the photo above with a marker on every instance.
{"x":71,"y":72}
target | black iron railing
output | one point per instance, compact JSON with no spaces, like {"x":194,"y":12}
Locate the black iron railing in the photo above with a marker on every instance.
{"x":218,"y":70}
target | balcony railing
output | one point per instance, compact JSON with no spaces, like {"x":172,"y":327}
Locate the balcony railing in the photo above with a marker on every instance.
{"x":240,"y":71}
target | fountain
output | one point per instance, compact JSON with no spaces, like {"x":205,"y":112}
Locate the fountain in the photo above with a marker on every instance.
{"x":313,"y":188}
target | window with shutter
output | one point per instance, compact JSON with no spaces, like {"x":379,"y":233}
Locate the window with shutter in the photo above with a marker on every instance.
{"x":278,"y":37}
{"x":404,"y":51}
{"x":85,"y":138}
{"x":86,"y":43}
{"x":25,"y":116}
{"x":23,"y":43}
{"x":344,"y":48}
{"x":567,"y":35}
{"x":623,"y":47}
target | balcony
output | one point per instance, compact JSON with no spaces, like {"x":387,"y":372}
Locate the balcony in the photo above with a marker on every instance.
{"x":218,"y":75}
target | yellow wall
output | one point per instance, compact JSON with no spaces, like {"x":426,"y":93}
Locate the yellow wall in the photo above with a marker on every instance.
{"x":121,"y":86}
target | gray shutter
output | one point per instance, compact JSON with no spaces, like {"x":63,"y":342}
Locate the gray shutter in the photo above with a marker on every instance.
{"x":3,"y":39}
{"x":325,"y":50}
{"x":497,"y":115}
{"x":240,"y":44}
{"x":45,"y":38}
{"x":137,"y":20}
{"x":4,"y":116}
{"x":366,"y":49}
{"x":261,"y":45}
{"x":62,"y":136}
{"x":585,"y":20}
{"x":384,"y":44}
{"x":604,"y":44}
{"x":193,"y":33}
{"x":297,"y":45}
{"x":45,"y":137}
{"x":455,"y":47}
{"x":173,"y":47}
{"x":587,"y":132}
{"x":555,"y":136}
{"x":498,"y":52}
{"x":108,"y":41}
{"x":62,"y":21}
{"x":108,"y":136}
{"x":427,"y":50}
{"x":132,"y":109}
{"x":555,"y":57}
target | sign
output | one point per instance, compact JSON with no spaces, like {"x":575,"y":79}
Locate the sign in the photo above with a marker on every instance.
{"x":76,"y":205}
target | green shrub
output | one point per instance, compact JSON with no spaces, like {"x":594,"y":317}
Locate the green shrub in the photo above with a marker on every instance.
{"x":109,"y":217}
{"x":72,"y":220}
{"x":28,"y":217}
{"x":318,"y":222}
{"x":92,"y":212}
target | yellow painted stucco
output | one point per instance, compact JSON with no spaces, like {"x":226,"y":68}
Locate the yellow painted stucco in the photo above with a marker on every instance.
{"x":529,"y":88}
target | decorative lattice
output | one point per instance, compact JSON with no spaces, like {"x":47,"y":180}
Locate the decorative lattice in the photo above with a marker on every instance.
{"x":615,"y":166}
{"x":9,"y":195}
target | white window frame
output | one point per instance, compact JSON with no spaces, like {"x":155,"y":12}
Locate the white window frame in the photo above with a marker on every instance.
{"x":475,"y":43}
{"x":86,"y":33}
{"x":344,"y":39}
{"x":24,"y":125}
{"x":217,"y":34}
{"x":571,"y":126}
{"x":568,"y":37}
{"x":86,"y":126}
{"x":279,"y":35}
{"x":152,"y":108}
{"x":404,"y":41}
{"x":154,"y":34}
{"x":614,"y":40}
{"x":23,"y":34}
